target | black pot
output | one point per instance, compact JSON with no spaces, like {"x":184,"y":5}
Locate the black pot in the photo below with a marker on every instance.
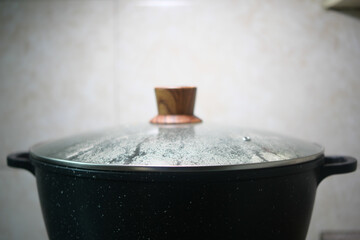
{"x":269,"y":203}
{"x":178,"y":181}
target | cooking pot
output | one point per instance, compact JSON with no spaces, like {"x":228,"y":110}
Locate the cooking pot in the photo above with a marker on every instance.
{"x":178,"y":178}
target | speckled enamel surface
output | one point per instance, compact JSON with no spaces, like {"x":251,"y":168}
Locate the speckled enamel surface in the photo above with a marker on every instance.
{"x":177,"y":145}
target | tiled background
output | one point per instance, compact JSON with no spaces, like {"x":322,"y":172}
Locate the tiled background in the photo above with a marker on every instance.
{"x":73,"y":66}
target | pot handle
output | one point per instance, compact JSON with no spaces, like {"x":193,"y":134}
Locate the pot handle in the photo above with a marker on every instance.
{"x":20,"y":160}
{"x":337,"y":165}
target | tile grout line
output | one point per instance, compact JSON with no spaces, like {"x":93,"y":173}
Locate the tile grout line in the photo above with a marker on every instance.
{"x":115,"y":60}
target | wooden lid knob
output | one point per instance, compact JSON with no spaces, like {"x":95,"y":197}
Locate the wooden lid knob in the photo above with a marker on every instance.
{"x":175,"y":105}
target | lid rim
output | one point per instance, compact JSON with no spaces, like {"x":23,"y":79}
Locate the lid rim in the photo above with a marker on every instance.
{"x":189,"y":168}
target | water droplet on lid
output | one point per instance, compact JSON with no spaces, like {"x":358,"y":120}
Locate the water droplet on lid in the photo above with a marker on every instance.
{"x":246,"y":139}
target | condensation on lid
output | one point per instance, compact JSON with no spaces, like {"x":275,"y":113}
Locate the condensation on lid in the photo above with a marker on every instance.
{"x":192,"y":145}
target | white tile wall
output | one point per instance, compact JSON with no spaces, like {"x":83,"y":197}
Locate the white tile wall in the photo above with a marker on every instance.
{"x":56,"y":79}
{"x":72,"y":66}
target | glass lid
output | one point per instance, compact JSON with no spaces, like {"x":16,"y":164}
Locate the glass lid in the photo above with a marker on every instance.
{"x":176,"y":142}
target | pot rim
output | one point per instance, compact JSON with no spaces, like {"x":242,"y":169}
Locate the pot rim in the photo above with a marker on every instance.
{"x":189,"y":168}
